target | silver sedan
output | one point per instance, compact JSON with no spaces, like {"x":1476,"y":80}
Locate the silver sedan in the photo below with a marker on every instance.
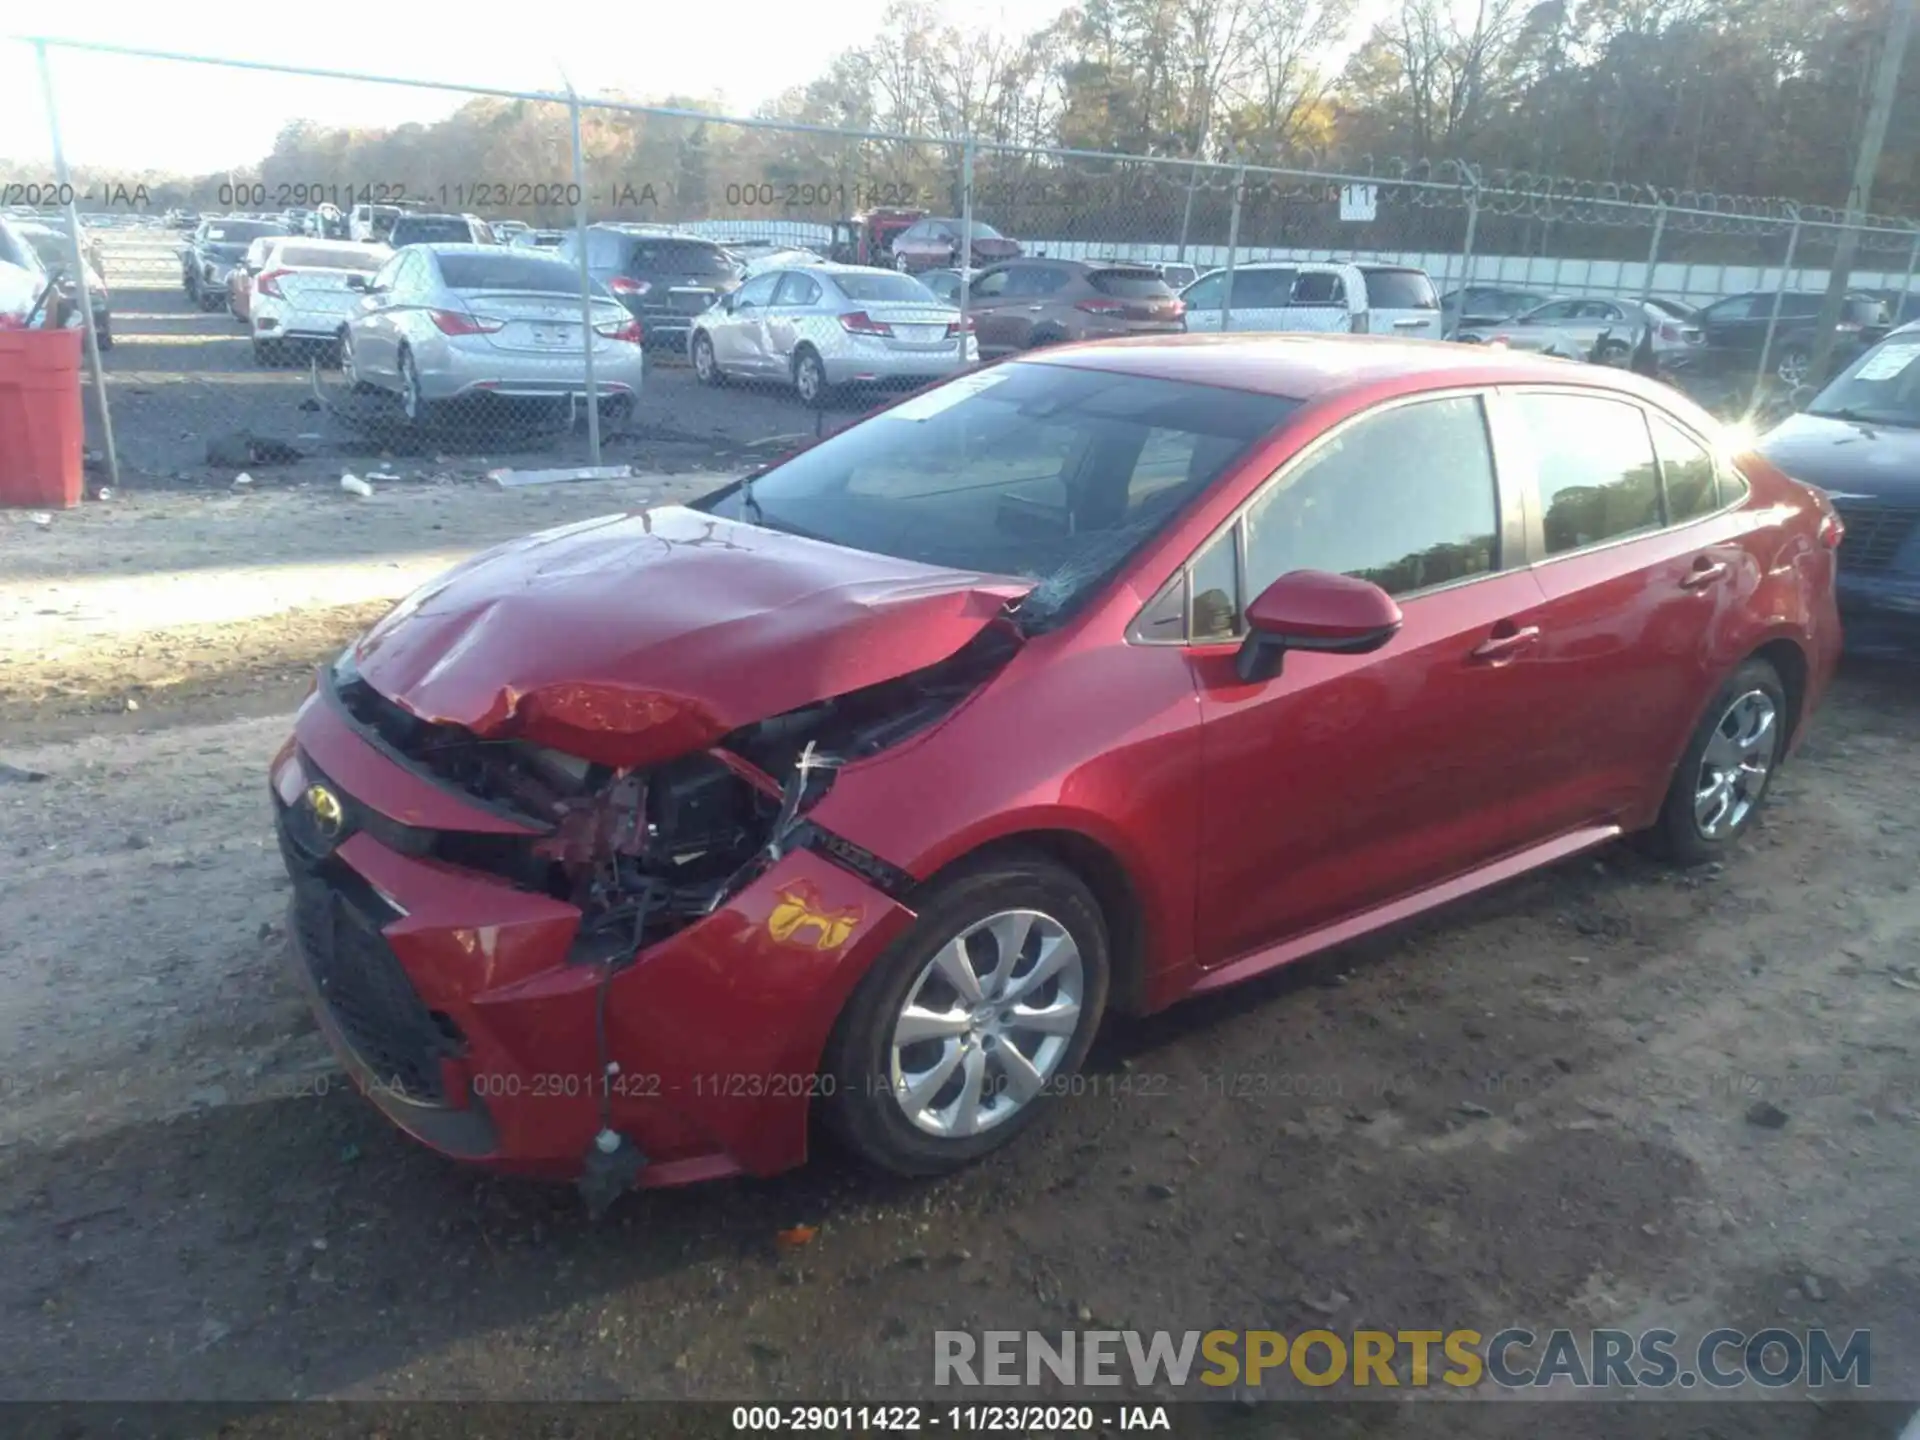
{"x":1572,"y":328}
{"x":819,"y":327}
{"x":444,"y":322}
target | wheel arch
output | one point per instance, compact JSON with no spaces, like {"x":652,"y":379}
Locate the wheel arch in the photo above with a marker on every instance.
{"x":1102,"y":871}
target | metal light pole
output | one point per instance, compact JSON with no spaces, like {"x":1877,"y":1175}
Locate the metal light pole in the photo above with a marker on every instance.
{"x":1886,"y":80}
{"x":79,"y":262}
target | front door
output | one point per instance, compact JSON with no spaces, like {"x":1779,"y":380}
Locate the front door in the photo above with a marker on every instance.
{"x":1349,"y":780}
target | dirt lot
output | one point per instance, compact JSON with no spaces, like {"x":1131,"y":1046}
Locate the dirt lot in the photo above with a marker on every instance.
{"x":1532,"y":1109}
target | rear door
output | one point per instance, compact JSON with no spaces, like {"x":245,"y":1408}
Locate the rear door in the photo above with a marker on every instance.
{"x":1636,"y":566}
{"x":1348,"y":780}
{"x":1399,"y":300}
{"x":988,"y":302}
{"x":1321,"y":301}
{"x":1031,"y":293}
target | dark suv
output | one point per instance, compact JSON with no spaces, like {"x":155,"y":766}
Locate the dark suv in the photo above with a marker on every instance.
{"x":663,"y":277}
{"x":219,"y":245}
{"x":1733,"y":332}
{"x":1027,"y":303}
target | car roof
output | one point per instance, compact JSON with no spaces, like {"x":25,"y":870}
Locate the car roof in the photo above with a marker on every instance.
{"x":454,"y":247}
{"x":1312,"y":367}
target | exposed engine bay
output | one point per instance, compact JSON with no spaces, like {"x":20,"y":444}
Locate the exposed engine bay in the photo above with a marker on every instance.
{"x":645,"y":852}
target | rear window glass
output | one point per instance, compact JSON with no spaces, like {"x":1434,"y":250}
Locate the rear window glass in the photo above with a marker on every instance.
{"x":881,"y":287}
{"x":1400,"y":290}
{"x":506,"y":271}
{"x":306,"y":257}
{"x":681,"y":257}
{"x":429,"y":229}
{"x":1130,"y":284}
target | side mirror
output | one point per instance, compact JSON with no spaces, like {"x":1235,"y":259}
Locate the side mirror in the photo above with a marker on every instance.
{"x":357,"y":282}
{"x":1313,"y":610}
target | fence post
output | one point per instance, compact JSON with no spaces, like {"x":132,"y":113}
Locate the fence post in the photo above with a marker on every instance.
{"x":1466,"y":248}
{"x":586,"y":275}
{"x":1186,"y":215}
{"x":1653,"y":251}
{"x":966,"y":235}
{"x":1233,"y":247}
{"x":1773,"y":316}
{"x":1906,"y":286}
{"x":79,"y":262}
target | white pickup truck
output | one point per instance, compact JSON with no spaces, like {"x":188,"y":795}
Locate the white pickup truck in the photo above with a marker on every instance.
{"x":1316,"y":297}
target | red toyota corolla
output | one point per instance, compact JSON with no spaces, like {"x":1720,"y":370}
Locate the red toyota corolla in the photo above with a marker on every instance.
{"x":860,"y":789}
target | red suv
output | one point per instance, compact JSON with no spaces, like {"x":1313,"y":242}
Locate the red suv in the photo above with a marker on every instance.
{"x":861,"y":789}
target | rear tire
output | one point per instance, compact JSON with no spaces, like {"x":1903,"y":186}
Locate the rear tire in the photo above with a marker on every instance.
{"x":269,"y":354}
{"x":1042,"y":338}
{"x":1726,"y":769}
{"x":870,"y":1104}
{"x":413,"y":404}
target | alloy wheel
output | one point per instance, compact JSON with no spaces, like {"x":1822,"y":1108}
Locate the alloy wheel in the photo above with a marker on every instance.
{"x":703,"y":359}
{"x":987,"y":1023}
{"x":1735,"y":765}
{"x":808,"y":379}
{"x":1792,"y":368}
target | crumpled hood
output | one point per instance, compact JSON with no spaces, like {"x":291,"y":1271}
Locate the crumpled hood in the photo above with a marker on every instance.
{"x":1880,"y":462}
{"x":632,"y":639}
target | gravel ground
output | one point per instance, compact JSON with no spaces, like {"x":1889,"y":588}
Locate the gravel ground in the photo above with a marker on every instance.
{"x":1534,"y":1108}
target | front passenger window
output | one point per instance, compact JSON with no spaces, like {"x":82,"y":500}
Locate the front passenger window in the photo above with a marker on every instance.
{"x":1595,"y":466}
{"x":1405,"y":498}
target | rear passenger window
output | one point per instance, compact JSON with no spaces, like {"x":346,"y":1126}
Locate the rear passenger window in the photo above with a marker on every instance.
{"x":1405,"y":498}
{"x":1596,"y":470}
{"x":1686,"y":473}
{"x":1319,"y":290}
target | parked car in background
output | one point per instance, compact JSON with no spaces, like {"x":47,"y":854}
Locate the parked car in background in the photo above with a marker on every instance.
{"x":1734,"y":332}
{"x":296,"y":218}
{"x":538,"y":240}
{"x":1068,"y":626}
{"x":1858,"y":440}
{"x":505,"y":230}
{"x":219,"y":245}
{"x":54,"y":252}
{"x":751,"y":252}
{"x":29,"y":298}
{"x":1471,"y":306}
{"x":240,"y":277}
{"x":784,"y":258}
{"x":1573,"y":329}
{"x":90,"y":247}
{"x":664,"y":278}
{"x":1323,"y":297}
{"x":426,"y":229}
{"x":1178,"y":275}
{"x":822,"y":327}
{"x":936,"y":243}
{"x":945,"y":284}
{"x":301,"y":299}
{"x":450,"y":323}
{"x":1029,"y":303}
{"x":867,"y":238}
{"x":329,"y":222}
{"x":367,"y":223}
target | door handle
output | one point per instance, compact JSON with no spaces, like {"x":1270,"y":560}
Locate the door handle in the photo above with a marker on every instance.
{"x":1507,"y":644}
{"x":1704,"y":574}
{"x":1036,"y":307}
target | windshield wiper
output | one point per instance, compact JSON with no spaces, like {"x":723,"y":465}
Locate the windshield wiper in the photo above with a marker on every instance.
{"x":1860,"y":417}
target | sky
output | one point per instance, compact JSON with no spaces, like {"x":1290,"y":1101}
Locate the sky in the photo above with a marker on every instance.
{"x":144,"y":114}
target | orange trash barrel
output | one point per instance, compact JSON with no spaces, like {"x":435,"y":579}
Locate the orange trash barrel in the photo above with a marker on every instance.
{"x":42,"y":425}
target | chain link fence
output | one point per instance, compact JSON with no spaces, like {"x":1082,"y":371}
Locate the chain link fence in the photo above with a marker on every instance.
{"x":612,"y":283}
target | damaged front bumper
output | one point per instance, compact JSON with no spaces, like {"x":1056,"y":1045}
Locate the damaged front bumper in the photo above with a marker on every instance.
{"x":469,"y":1011}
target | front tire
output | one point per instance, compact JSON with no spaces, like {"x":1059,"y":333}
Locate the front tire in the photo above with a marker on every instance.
{"x":1722,"y":778}
{"x":706,"y":366}
{"x":963,"y":1032}
{"x":810,"y":378}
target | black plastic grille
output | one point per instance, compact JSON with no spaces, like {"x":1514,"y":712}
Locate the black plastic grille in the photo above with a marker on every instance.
{"x":365,"y":989}
{"x":1875,"y":535}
